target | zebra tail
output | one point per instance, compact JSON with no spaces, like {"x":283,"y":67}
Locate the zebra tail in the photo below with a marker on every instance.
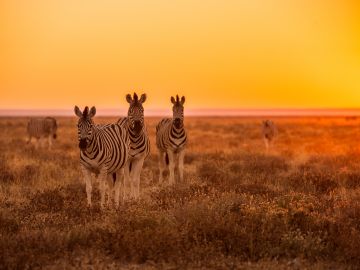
{"x":167,"y":159}
{"x":114,"y":177}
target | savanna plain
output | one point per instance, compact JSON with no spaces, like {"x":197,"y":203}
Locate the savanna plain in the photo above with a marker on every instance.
{"x":239,"y":207}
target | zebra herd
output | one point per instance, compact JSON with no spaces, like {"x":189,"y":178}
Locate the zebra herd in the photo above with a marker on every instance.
{"x":116,"y":152}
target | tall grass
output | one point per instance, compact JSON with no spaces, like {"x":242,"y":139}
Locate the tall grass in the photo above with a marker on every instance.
{"x":298,"y":206}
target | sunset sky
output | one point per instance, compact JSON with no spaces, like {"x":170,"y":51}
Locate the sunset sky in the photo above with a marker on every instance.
{"x":219,"y":54}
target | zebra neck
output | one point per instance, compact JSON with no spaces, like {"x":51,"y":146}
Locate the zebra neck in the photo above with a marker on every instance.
{"x":132,"y":132}
{"x":92,"y":142}
{"x":177,"y":131}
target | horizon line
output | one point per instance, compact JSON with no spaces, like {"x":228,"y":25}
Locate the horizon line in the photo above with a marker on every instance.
{"x":195,"y":112}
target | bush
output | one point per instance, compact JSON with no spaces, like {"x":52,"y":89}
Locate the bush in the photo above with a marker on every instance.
{"x":47,"y":201}
{"x":6,"y":175}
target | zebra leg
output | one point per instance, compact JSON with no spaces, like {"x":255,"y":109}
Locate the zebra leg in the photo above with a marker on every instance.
{"x":88,"y":184}
{"x":109,"y":189}
{"x":127,"y":179}
{"x":171,"y":167}
{"x":266,"y":145}
{"x":37,"y":143}
{"x":181,"y":165}
{"x":102,"y":185}
{"x":131,"y":179}
{"x":137,"y":167}
{"x":162,"y":166}
{"x":42,"y":142}
{"x":50,"y":142}
{"x":118,"y":185}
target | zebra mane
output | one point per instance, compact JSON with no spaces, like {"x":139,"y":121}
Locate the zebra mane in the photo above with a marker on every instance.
{"x":86,"y":111}
{"x":136,"y":98}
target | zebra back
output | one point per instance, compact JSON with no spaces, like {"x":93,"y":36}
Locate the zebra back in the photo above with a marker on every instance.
{"x":42,"y":127}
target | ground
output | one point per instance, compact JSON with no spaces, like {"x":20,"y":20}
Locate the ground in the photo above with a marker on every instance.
{"x":295,"y":207}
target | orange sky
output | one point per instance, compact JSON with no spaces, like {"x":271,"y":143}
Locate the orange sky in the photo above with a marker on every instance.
{"x":220,"y":54}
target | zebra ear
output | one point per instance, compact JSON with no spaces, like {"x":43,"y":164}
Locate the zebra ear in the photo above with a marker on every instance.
{"x":142,"y":98}
{"x":173,"y":100}
{"x":129,"y":98}
{"x":182,"y":100}
{"x":77,"y":111}
{"x":92,"y":112}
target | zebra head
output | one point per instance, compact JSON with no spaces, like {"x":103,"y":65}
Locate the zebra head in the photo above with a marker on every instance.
{"x":136,"y":111}
{"x":85,"y":125}
{"x":178,"y":111}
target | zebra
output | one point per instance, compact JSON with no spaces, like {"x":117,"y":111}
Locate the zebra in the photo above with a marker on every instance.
{"x":139,"y":141}
{"x":42,"y":128}
{"x":269,"y":132}
{"x":104,"y":150}
{"x":171,"y":140}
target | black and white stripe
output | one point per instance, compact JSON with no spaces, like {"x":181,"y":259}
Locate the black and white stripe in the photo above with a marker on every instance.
{"x":104,"y":150}
{"x":42,"y":128}
{"x":139,"y":141}
{"x":171,"y":140}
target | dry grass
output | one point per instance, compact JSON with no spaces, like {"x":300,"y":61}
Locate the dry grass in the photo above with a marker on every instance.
{"x":296,"y":207}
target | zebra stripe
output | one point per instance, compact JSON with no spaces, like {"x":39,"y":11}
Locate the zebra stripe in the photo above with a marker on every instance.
{"x":139,"y":141}
{"x":171,"y":140}
{"x":168,"y":137}
{"x":104,"y":150}
{"x":42,"y":128}
{"x":108,"y":147}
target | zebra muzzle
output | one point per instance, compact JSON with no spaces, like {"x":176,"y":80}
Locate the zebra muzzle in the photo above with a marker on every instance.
{"x":82,"y":144}
{"x":137,"y":126}
{"x":178,"y":123}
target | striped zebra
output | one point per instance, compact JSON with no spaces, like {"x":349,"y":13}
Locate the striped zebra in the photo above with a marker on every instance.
{"x":139,"y":142}
{"x":269,"y":132}
{"x":171,"y":140}
{"x":42,"y":128}
{"x":104,"y":150}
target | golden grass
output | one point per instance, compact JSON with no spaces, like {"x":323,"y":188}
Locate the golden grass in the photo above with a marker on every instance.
{"x":296,"y":207}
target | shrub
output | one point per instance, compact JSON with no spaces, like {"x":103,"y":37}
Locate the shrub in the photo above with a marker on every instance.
{"x":47,"y":201}
{"x":6,"y":175}
{"x":8,"y":225}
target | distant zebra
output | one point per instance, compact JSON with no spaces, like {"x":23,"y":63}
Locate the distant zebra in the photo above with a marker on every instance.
{"x":104,"y":150}
{"x":42,"y":128}
{"x":171,"y":140}
{"x":269,"y":132}
{"x":139,"y":142}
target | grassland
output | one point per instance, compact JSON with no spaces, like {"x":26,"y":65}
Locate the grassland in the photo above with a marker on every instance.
{"x":296,"y":207}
